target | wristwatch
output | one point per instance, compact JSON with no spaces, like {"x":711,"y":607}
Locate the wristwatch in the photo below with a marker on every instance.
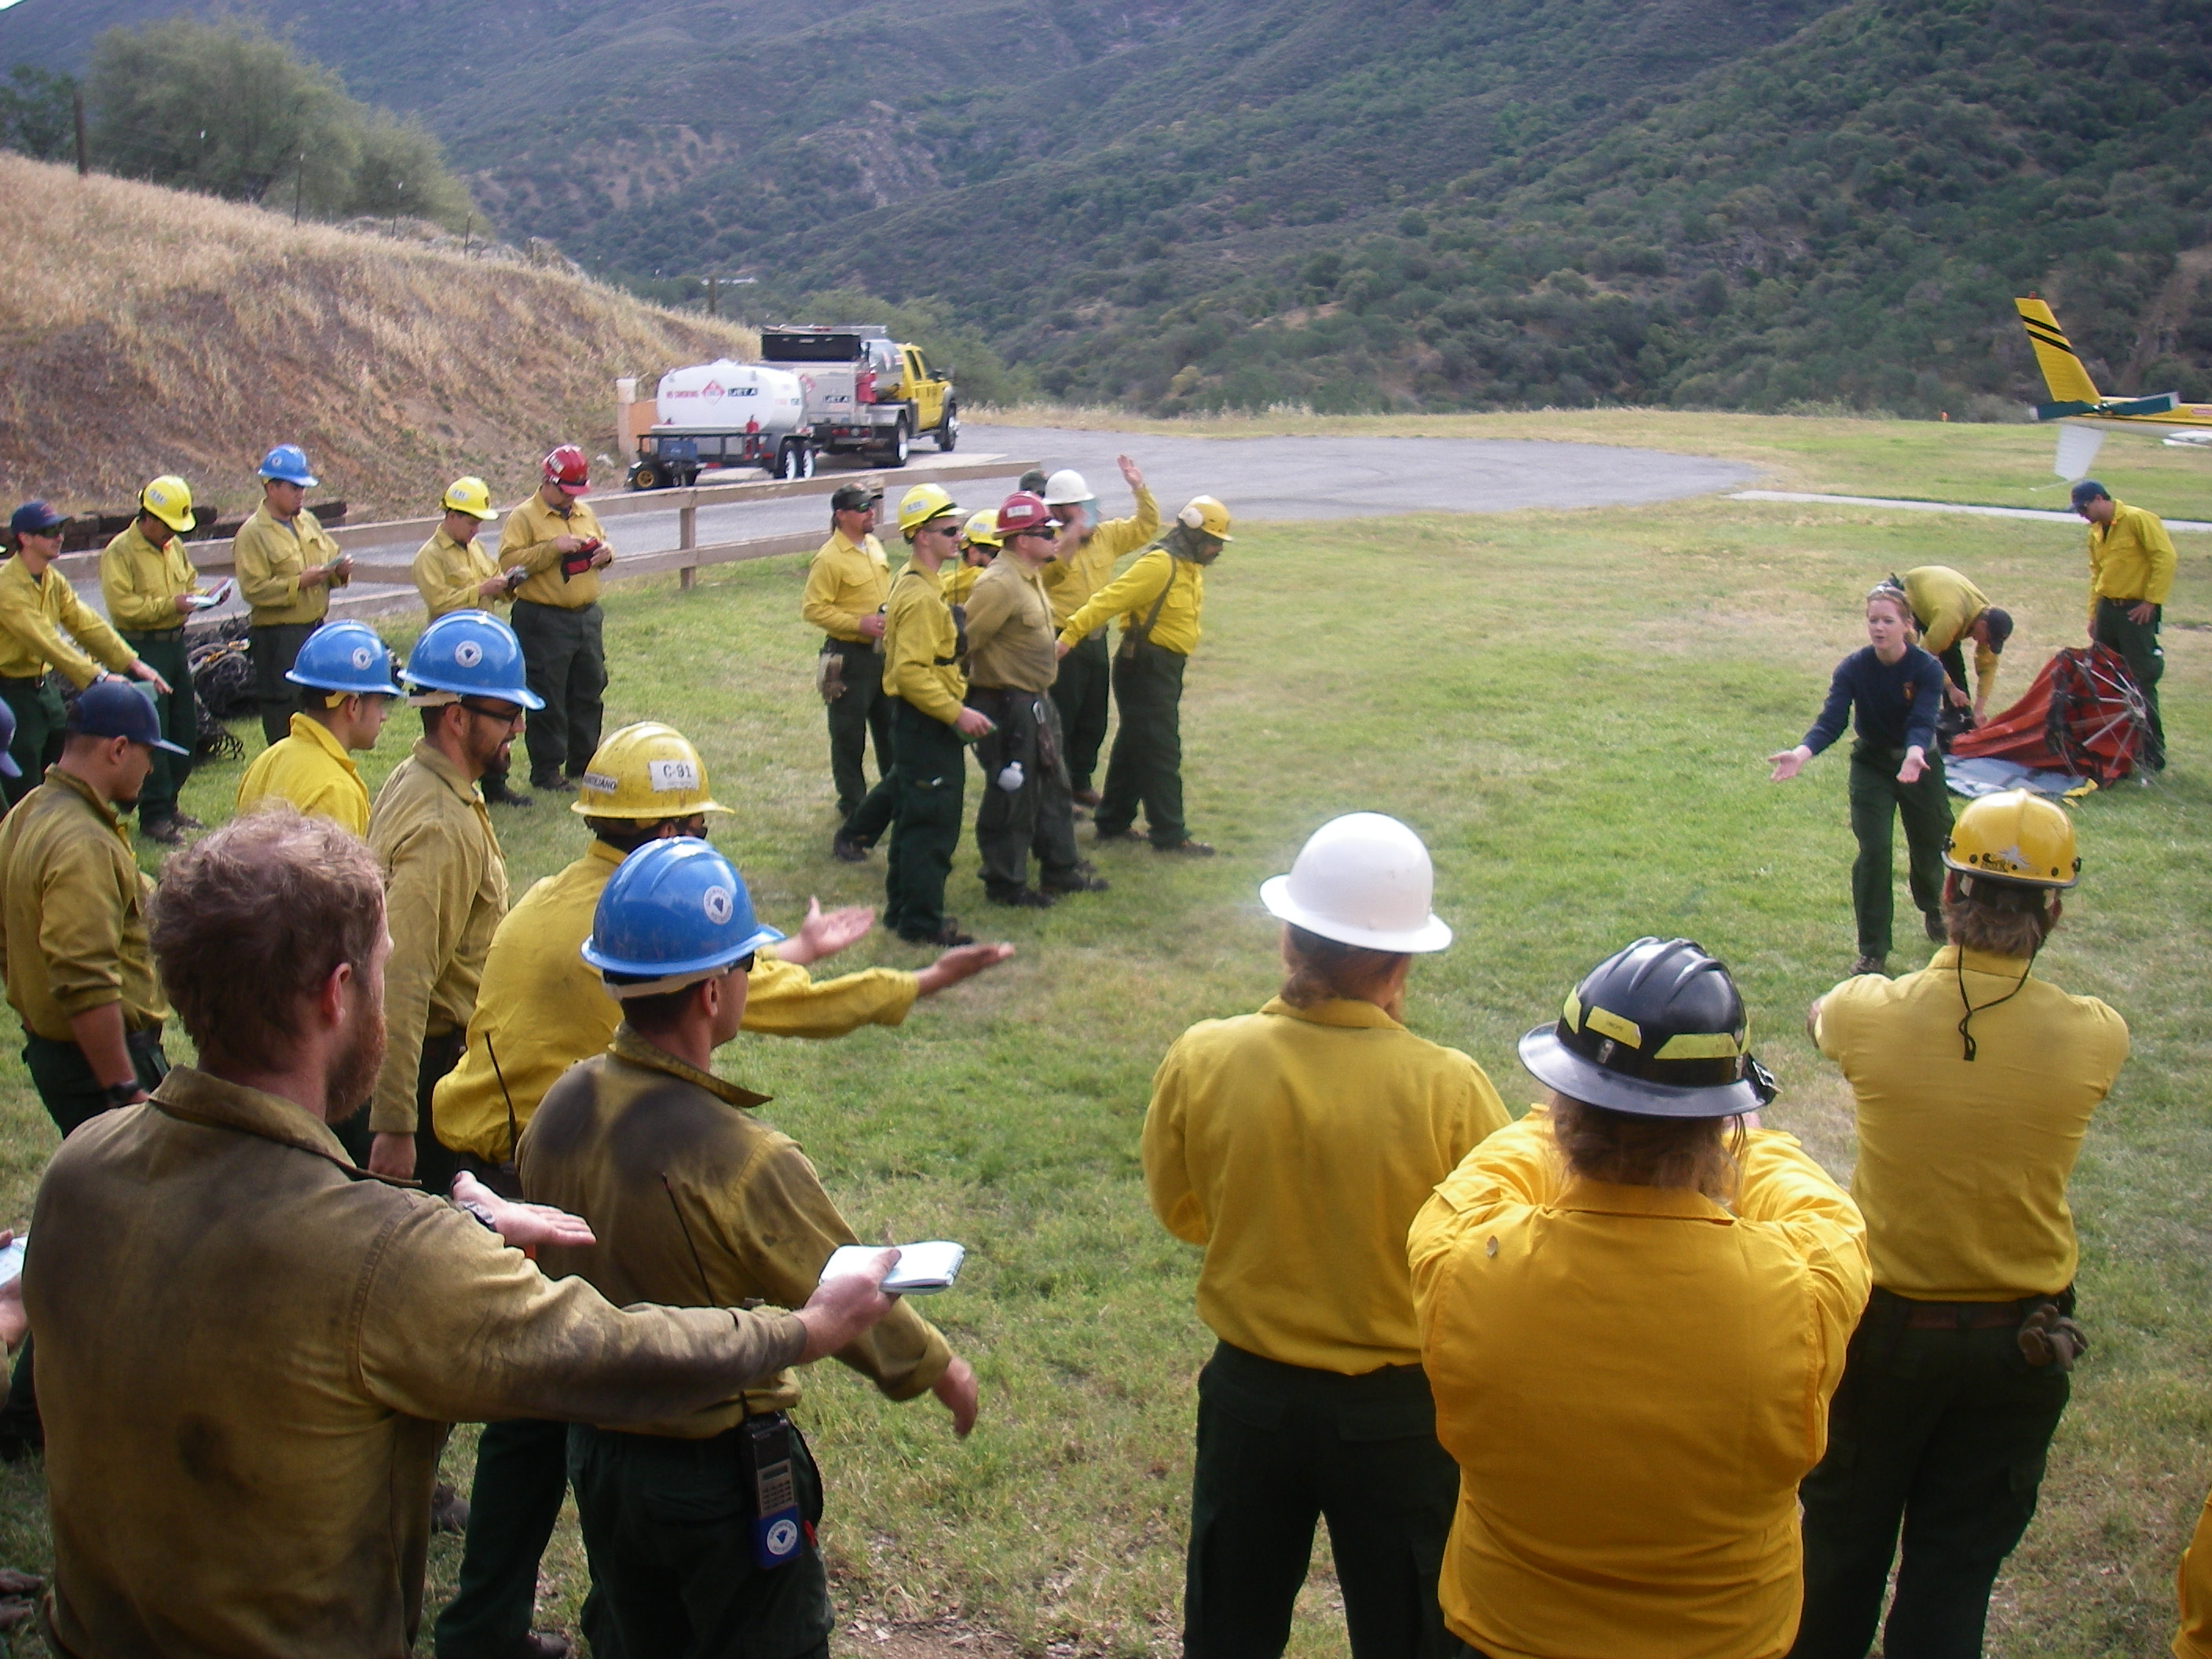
{"x":123,"y":1094}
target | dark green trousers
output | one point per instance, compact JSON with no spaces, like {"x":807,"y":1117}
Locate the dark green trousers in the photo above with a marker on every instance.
{"x":521,"y":1476}
{"x":1146,"y":768}
{"x":1944,"y":1432}
{"x":667,"y":1525}
{"x":275,"y":645}
{"x":66,"y":1085}
{"x":1080,"y":694}
{"x":564,"y":658}
{"x":1039,"y":816}
{"x":164,"y":651}
{"x":1877,"y":799}
{"x":2138,"y":643}
{"x":37,"y":744}
{"x":1280,"y":1446}
{"x":924,"y":791}
{"x":864,"y":710}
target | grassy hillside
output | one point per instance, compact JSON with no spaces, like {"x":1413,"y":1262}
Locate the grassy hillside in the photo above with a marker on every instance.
{"x":142,"y":330}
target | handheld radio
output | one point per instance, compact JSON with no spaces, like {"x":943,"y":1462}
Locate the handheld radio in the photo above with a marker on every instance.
{"x":778,"y":1529}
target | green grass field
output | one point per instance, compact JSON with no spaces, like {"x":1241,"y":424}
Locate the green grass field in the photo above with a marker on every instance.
{"x":1573,"y":709}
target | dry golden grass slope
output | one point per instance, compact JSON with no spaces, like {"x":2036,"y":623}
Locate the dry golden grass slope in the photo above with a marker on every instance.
{"x":145,"y":330}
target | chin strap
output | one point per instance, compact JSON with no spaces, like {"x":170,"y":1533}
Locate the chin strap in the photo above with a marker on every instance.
{"x":1965,"y":1035}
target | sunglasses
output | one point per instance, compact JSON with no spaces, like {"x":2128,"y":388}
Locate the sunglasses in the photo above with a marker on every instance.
{"x":940,"y":530}
{"x":505,"y":714}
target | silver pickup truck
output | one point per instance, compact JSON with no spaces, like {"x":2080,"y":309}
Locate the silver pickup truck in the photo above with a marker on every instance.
{"x":866,"y":393}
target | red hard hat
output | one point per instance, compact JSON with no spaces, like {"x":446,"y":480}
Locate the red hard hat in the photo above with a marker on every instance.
{"x":1022,"y":511}
{"x":567,"y":467}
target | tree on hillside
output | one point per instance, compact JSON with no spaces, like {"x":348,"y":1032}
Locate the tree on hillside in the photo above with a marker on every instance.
{"x":227,"y":108}
{"x":37,"y":116}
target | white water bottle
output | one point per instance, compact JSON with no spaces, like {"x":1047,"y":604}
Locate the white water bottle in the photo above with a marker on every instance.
{"x":1010,"y":777}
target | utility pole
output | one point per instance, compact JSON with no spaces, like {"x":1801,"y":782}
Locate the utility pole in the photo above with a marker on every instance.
{"x":298,"y":182}
{"x":713,"y":296}
{"x":76,"y":108}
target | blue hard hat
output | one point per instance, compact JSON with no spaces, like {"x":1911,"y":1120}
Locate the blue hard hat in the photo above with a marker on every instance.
{"x":471,"y":653}
{"x":675,"y":908}
{"x":8,"y":767}
{"x":288,"y":462}
{"x":344,"y":656}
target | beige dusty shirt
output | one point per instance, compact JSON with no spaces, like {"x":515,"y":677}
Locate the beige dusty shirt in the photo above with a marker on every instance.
{"x":250,"y":1351}
{"x":1012,"y":640}
{"x":445,"y":891}
{"x":526,"y":539}
{"x":73,"y":912}
{"x":697,"y":1202}
{"x":268,"y":554}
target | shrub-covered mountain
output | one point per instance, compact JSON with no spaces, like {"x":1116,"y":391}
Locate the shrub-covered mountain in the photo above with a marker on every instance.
{"x":1449,"y":202}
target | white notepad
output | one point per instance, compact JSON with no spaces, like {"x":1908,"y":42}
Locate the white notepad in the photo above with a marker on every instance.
{"x":923,"y":1269}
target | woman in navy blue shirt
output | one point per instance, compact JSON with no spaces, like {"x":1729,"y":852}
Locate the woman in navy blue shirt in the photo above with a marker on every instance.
{"x":1890,"y":691}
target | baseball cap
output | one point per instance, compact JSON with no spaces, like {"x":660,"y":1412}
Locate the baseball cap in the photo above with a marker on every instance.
{"x":113,"y":708}
{"x":35,"y":518}
{"x":2090,"y":490}
{"x":2000,"y":627}
{"x":854,"y":498}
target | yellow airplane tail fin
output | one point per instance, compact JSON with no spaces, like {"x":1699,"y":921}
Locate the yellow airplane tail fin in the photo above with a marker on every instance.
{"x":2062,"y":373}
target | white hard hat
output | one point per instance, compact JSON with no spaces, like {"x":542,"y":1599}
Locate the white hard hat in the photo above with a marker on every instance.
{"x":1066,"y":488}
{"x":1361,"y":879}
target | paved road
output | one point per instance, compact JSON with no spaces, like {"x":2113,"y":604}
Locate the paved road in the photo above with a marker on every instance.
{"x":1262,"y":479}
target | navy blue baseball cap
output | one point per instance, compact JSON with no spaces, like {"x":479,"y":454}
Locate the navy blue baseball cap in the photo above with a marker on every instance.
{"x":35,"y":518}
{"x":116,"y":708}
{"x":8,"y":767}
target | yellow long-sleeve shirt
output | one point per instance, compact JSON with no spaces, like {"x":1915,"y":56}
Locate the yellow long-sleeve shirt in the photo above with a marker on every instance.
{"x":268,"y":554}
{"x":141,"y":583}
{"x":697,"y":1202}
{"x":541,"y":1008}
{"x":310,"y":769}
{"x":1963,"y":1164}
{"x":1295,"y":1144}
{"x":2193,"y":1585}
{"x":2131,"y":558}
{"x":445,"y":891}
{"x":36,"y":611}
{"x":447,"y":575}
{"x":844,"y":583}
{"x":957,"y":580}
{"x":1130,"y":596}
{"x":1632,"y":1380}
{"x":1071,"y":580}
{"x":1946,"y":604}
{"x":526,"y":539}
{"x":920,"y":647}
{"x":73,"y":912}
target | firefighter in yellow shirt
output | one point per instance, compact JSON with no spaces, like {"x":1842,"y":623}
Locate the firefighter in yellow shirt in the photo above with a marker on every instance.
{"x":2193,"y":1585}
{"x":452,"y":573}
{"x":38,"y":606}
{"x":1950,"y":612}
{"x":539,"y":1010}
{"x":1295,"y":1147}
{"x":287,"y":565}
{"x":921,"y":796}
{"x":979,"y":545}
{"x":554,"y":538}
{"x":1974,"y":1083}
{"x":847,"y":581}
{"x":149,"y":587}
{"x":347,"y":668}
{"x":1090,"y":548}
{"x":1159,"y":599}
{"x":1634,"y":1304}
{"x":2130,"y":573}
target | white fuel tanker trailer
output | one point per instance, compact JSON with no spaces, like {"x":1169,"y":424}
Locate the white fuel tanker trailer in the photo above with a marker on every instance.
{"x":724,"y":414}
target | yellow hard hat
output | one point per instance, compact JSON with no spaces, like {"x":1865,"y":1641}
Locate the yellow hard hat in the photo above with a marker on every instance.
{"x":169,"y":499}
{"x":644,"y":772}
{"x":2016,"y":837}
{"x":922,"y":503}
{"x":982,"y":529}
{"x":1205,"y":513}
{"x":469,"y":496}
